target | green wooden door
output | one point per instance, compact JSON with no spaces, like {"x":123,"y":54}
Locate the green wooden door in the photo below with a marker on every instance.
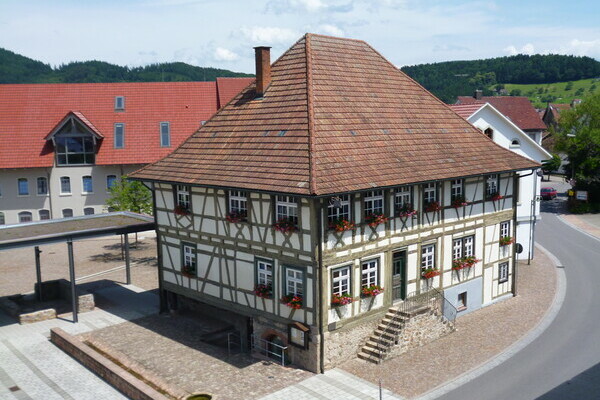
{"x":399,"y":275}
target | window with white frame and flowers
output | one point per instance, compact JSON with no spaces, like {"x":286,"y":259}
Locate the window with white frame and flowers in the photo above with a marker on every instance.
{"x":182,"y":199}
{"x":264,"y":278}
{"x":369,"y":273}
{"x":430,"y":202}
{"x":456,"y":189}
{"x":188,"y":255}
{"x":403,"y":204}
{"x":491,"y":186}
{"x":338,"y":213}
{"x":428,"y":265}
{"x":373,"y":207}
{"x":286,"y":209}
{"x":294,"y":282}
{"x":238,"y":206}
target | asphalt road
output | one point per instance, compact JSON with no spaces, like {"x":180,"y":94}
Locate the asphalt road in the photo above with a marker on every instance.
{"x":564,"y":361}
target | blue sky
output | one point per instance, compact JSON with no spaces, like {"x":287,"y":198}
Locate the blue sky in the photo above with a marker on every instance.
{"x":222,"y":33}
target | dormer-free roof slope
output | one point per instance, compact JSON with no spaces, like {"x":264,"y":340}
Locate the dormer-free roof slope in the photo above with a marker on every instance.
{"x":518,"y":109}
{"x":337,"y":117}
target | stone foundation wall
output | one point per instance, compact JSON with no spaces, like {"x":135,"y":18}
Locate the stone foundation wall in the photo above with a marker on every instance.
{"x":344,"y":344}
{"x":420,"y":330}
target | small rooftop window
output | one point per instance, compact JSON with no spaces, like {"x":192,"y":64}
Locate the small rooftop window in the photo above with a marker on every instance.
{"x":353,"y":133}
{"x":515,"y":143}
{"x":281,"y":133}
{"x":119,"y":102}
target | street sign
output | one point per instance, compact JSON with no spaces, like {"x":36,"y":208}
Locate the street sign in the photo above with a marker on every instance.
{"x":581,"y":195}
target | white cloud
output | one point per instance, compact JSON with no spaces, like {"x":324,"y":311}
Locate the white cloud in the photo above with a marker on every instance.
{"x":308,"y":6}
{"x":222,"y":54}
{"x":526,"y":49}
{"x":332,"y":30}
{"x":582,"y":47}
{"x":270,"y":35}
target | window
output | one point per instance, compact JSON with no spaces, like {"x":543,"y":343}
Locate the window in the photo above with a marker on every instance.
{"x":25,"y":216}
{"x":165,"y":134}
{"x":238,"y":203}
{"x":74,"y":144}
{"x":87,"y":184}
{"x":67,"y":213}
{"x":369,"y":273}
{"x":23,"y":185}
{"x":428,"y":257}
{"x":456,"y":189}
{"x":429,"y":193}
{"x":339,"y":208}
{"x":340,"y":281}
{"x":188,"y":254}
{"x":515,"y":143}
{"x":294,"y":282}
{"x":44,"y":214}
{"x":402,"y":199}
{"x":42,"y":186}
{"x":2,"y":220}
{"x":110,"y":181}
{"x":463,"y":247}
{"x":264,"y":272}
{"x":65,"y":185}
{"x":88,"y":211}
{"x":461,"y":303}
{"x":504,"y":229}
{"x":373,"y":202}
{"x":491,"y":185}
{"x":119,"y":102}
{"x":502,"y":272}
{"x":183,"y":196}
{"x":119,"y":136}
{"x":286,"y":209}
{"x":489,"y":132}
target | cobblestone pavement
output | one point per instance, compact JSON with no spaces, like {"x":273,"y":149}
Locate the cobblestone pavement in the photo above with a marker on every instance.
{"x":33,"y":368}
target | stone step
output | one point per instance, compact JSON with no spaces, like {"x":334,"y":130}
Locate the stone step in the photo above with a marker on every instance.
{"x":394,"y":323}
{"x":384,"y":345}
{"x":368,"y":357}
{"x":394,"y":316}
{"x":373,"y":350}
{"x":382,"y":333}
{"x":419,"y":309}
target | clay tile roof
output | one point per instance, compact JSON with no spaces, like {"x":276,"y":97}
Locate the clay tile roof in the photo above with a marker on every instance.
{"x":518,"y":109}
{"x":466,"y":110}
{"x":227,"y":88}
{"x":29,"y":112}
{"x":337,"y":117}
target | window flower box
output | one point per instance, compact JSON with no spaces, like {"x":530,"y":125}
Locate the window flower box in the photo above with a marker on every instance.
{"x":263,"y":291}
{"x":464,"y":262}
{"x":285,"y":225}
{"x":342,"y":225}
{"x":341,"y":299}
{"x":234,"y":216}
{"x":506,"y":240}
{"x":188,"y":271}
{"x":181,"y":210}
{"x":459,"y":201}
{"x":375,"y":219}
{"x":432,"y":206}
{"x":430,"y":273}
{"x":292,"y":301}
{"x":407,"y":210}
{"x":495,"y":196}
{"x":371,"y":291}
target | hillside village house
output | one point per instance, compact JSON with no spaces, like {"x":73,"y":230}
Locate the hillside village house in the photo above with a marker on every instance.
{"x":63,"y":145}
{"x":505,"y":133}
{"x":329,"y":192}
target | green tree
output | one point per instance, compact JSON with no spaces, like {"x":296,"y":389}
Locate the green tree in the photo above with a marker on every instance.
{"x":126,"y":195}
{"x":569,"y":86}
{"x":552,"y":164}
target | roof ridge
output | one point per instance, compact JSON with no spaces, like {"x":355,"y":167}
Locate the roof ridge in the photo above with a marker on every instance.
{"x":308,"y":34}
{"x":312,"y":181}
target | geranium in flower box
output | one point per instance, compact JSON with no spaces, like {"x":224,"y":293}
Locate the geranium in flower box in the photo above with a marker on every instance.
{"x":341,"y":299}
{"x":375,"y":219}
{"x":181,"y":210}
{"x":432,"y":206}
{"x":406,"y":210}
{"x":264,"y":291}
{"x":459,"y":201}
{"x":341,"y":225}
{"x":464,"y":262}
{"x":506,"y":240}
{"x":495,"y":196}
{"x":235,"y":216}
{"x":429,"y":273}
{"x":188,"y":270}
{"x":285,"y":225}
{"x":371,"y":291}
{"x":292,"y":301}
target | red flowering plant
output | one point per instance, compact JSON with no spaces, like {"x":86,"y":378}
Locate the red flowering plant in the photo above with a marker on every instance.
{"x":371,"y":291}
{"x":292,"y":300}
{"x":459,"y":201}
{"x":464,"y":262}
{"x":506,"y":240}
{"x":182,"y":210}
{"x":375,"y":219}
{"x":236,"y":216}
{"x":494,"y":196}
{"x":432,"y":206}
{"x":285,"y":225}
{"x":341,"y":299}
{"x":406,"y":210}
{"x":264,"y":291}
{"x":188,"y":270}
{"x":341,"y":225}
{"x":429,"y":273}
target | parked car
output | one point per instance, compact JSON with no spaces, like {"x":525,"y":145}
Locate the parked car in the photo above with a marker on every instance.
{"x":548,"y":193}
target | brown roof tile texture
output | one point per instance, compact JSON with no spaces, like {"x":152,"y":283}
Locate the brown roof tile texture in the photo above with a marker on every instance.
{"x":518,"y":109}
{"x":337,"y":117}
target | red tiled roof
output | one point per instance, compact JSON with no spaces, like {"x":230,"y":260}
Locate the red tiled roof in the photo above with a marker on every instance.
{"x":227,"y":88}
{"x":29,"y":112}
{"x":337,"y":117}
{"x":518,"y":109}
{"x":466,"y":110}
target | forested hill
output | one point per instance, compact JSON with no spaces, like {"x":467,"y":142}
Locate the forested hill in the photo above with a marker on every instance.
{"x":460,"y":78}
{"x":15,"y":68}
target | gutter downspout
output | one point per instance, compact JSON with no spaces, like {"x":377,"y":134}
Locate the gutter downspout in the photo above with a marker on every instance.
{"x":320,"y":281}
{"x":49,"y":193}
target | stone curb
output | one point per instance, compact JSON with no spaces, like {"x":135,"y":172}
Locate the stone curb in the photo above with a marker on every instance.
{"x":534,"y":333}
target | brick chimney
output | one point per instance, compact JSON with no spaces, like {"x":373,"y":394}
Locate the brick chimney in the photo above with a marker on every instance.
{"x":478,"y":94}
{"x":263,"y":69}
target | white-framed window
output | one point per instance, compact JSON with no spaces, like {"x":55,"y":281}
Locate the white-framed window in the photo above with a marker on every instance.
{"x":286,"y":208}
{"x":456,"y":189}
{"x":119,"y":102}
{"x":428,"y":256}
{"x":67,"y":212}
{"x":457,"y":249}
{"x":23,"y":186}
{"x":294,"y":282}
{"x":429,"y":193}
{"x":110,"y":181}
{"x":25,"y":216}
{"x":502,"y":272}
{"x":183,"y":196}
{"x":340,"y":281}
{"x":368,"y":272}
{"x":238,"y":202}
{"x":42,"y":186}
{"x":504,"y":229}
{"x":65,"y":185}
{"x":87,"y":184}
{"x":335,"y":213}
{"x":515,"y":143}
{"x":119,"y":135}
{"x":2,"y":219}
{"x":188,"y":256}
{"x":373,"y":202}
{"x":491,"y":184}
{"x":74,"y":144}
{"x":463,"y":247}
{"x":402,"y":197}
{"x":165,"y":134}
{"x":44,"y":214}
{"x":264,"y":272}
{"x":88,"y":211}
